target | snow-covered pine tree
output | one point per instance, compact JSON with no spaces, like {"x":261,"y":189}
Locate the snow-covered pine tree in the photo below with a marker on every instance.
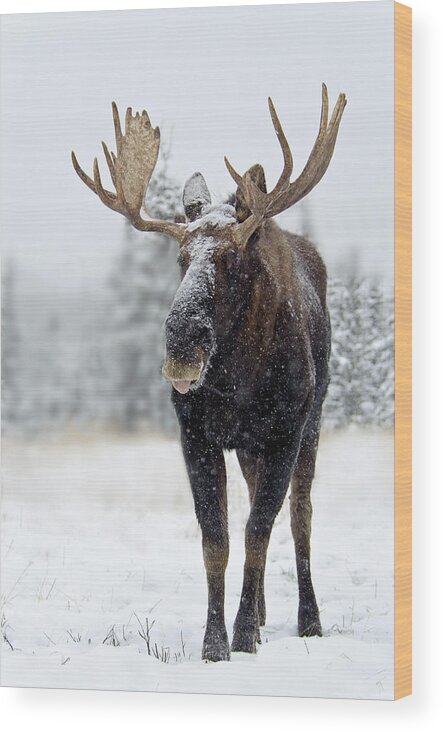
{"x":369,"y":361}
{"x":385,"y":402}
{"x":356,"y":390}
{"x":335,"y":413}
{"x":347,"y":346}
{"x":361,"y":387}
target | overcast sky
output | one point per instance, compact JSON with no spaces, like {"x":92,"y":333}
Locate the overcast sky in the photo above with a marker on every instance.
{"x":204,"y":76}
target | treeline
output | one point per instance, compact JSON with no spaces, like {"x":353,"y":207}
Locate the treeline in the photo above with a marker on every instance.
{"x":110,"y":376}
{"x":97,"y":363}
{"x":361,"y":388}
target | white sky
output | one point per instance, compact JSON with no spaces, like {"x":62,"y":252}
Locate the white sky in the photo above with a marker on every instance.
{"x":204,"y":76}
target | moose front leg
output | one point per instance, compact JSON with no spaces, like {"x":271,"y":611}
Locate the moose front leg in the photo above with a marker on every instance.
{"x":207,"y":475}
{"x":273,"y":476}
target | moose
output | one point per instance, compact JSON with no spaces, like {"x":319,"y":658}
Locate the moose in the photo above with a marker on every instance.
{"x":247,"y":351}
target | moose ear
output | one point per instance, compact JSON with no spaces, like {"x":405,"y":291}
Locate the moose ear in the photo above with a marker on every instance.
{"x":257,"y":175}
{"x":195,"y":196}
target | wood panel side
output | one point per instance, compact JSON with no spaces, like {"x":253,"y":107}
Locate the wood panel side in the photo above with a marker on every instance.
{"x":403,"y":350}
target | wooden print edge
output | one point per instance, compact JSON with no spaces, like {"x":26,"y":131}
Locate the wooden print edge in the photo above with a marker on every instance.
{"x":403,"y":351}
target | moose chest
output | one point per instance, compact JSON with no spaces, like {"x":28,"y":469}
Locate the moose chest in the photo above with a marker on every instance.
{"x":242,"y":416}
{"x":219,"y":416}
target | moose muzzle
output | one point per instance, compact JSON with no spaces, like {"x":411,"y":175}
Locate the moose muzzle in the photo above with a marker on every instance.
{"x":182,"y":375}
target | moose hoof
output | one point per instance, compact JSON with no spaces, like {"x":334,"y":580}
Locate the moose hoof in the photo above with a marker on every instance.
{"x":309,"y":622}
{"x":245,"y":640}
{"x":216,"y":647}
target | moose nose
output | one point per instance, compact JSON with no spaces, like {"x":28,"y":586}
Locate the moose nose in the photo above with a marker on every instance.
{"x":187,"y":348}
{"x":181,"y":374}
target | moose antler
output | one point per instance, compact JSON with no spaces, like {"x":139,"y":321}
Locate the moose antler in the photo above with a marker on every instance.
{"x":285,"y":194}
{"x":131,"y":170}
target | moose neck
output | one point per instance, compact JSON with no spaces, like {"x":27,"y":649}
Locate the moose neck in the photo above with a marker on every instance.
{"x":249,"y":332}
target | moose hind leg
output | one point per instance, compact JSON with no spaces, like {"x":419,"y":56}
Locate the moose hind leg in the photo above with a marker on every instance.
{"x":249,"y":467}
{"x":301,"y":515}
{"x":273,"y":475}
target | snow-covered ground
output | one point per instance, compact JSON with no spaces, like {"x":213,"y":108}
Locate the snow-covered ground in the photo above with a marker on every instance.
{"x":99,"y":537}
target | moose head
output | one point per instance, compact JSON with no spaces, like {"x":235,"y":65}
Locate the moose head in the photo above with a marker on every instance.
{"x":216,"y":242}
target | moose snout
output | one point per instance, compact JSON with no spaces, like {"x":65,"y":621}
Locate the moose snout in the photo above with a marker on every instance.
{"x":188,"y":344}
{"x":181,"y":374}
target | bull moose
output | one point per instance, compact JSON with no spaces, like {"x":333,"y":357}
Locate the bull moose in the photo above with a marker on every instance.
{"x":247,"y":350}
